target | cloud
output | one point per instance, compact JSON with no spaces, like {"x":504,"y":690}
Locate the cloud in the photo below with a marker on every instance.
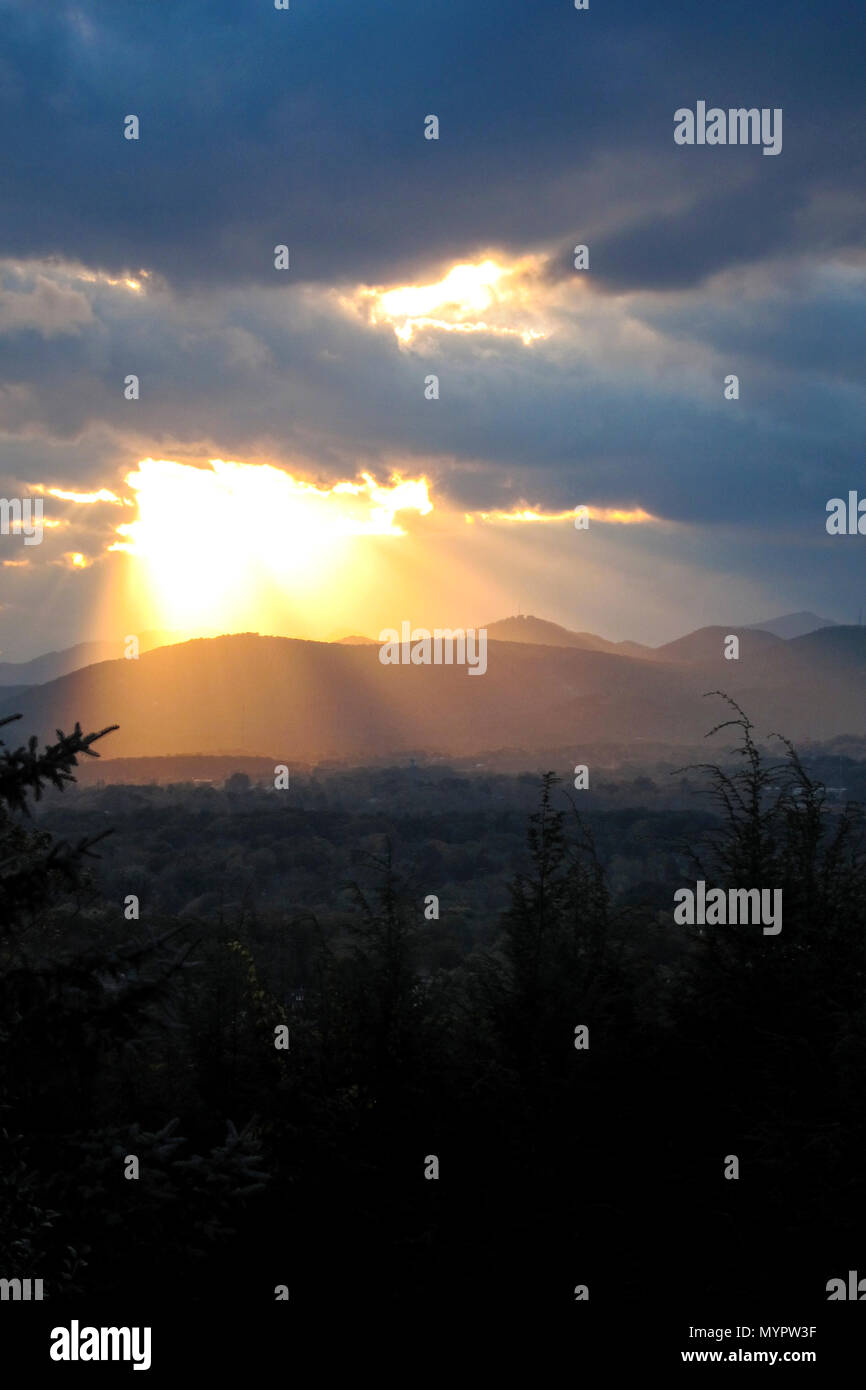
{"x":557,"y":388}
{"x":259,"y":127}
{"x":616,"y":403}
{"x":44,"y":306}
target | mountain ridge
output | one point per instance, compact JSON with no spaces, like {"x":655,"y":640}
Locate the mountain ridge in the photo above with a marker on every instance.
{"x":307,"y":700}
{"x":524,"y":628}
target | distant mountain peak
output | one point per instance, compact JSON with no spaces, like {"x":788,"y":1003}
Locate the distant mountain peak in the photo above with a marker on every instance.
{"x":299,"y":701}
{"x":525,"y":627}
{"x":791,"y":625}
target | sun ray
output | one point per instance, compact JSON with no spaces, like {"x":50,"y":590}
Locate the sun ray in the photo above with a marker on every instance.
{"x":221,"y":543}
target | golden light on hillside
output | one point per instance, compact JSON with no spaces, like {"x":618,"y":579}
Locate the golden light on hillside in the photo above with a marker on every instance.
{"x":238,"y":543}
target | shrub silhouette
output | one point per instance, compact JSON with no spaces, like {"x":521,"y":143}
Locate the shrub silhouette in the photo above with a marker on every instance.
{"x":606,"y":1159}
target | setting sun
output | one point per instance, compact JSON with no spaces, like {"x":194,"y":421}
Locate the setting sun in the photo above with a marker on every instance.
{"x":221,"y":542}
{"x":472,"y":298}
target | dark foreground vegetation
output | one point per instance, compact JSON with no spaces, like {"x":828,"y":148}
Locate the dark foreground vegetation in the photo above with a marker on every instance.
{"x":411,"y":1037}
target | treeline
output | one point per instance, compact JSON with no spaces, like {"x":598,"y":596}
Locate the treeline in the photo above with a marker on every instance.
{"x":582,"y":1071}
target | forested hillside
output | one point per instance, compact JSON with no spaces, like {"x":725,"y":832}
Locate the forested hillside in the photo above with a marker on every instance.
{"x":579,"y":1066}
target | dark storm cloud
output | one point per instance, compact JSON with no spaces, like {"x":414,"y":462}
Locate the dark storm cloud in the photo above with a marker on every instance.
{"x":306,"y":127}
{"x":622,"y":405}
{"x":261,"y":126}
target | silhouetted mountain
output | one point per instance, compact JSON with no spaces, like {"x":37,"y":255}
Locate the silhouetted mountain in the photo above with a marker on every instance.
{"x":356,"y":641}
{"x":20,"y":674}
{"x":309,"y":701}
{"x":708,"y":643}
{"x":841,"y":646}
{"x":793,"y":625}
{"x":54,"y":664}
{"x":540,"y":632}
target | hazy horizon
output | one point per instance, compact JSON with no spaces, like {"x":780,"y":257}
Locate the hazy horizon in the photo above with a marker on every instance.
{"x":341,"y":633}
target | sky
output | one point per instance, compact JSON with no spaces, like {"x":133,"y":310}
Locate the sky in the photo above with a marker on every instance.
{"x":287,"y":466}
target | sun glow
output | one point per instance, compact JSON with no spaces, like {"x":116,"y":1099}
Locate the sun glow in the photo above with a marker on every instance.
{"x":616,"y":516}
{"x":82,"y":498}
{"x":479,"y":298}
{"x":130,"y":282}
{"x":235,"y":543}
